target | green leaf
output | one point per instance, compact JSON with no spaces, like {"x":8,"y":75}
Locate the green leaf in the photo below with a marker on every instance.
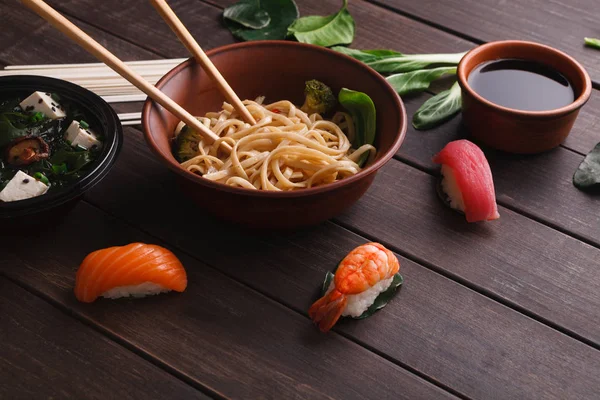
{"x":438,"y":109}
{"x":413,"y":62}
{"x":325,"y":31}
{"x":282,"y":13}
{"x":72,"y":160}
{"x":417,"y":81}
{"x":367,"y":55}
{"x":380,"y":301}
{"x":587,"y":176}
{"x":592,"y":42}
{"x":248,"y":13}
{"x":361,"y":108}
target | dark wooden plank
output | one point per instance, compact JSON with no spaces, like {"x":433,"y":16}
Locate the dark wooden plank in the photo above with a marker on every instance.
{"x":442,"y":329}
{"x":46,"y":45}
{"x":218,"y":333}
{"x":539,"y":185}
{"x":201,"y":19}
{"x":561,"y":24}
{"x":46,"y":354}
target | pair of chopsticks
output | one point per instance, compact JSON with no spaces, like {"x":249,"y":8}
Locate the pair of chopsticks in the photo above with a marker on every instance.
{"x":99,"y":78}
{"x":101,"y":53}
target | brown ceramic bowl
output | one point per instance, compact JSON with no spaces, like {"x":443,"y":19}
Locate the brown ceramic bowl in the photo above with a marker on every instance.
{"x":277,"y":70}
{"x":519,"y":131}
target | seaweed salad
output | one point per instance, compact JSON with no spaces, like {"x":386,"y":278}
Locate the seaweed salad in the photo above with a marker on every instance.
{"x":45,"y":144}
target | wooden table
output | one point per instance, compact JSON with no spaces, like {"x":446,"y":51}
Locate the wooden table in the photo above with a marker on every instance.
{"x":502,"y":310}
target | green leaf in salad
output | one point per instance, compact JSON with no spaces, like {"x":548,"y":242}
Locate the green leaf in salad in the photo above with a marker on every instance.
{"x":325,"y":31}
{"x":248,"y":13}
{"x":438,"y":109}
{"x":587,"y":176}
{"x":282,"y":13}
{"x":417,"y":81}
{"x":72,"y":161}
{"x":592,"y":42}
{"x":361,"y":108}
{"x":380,"y":301}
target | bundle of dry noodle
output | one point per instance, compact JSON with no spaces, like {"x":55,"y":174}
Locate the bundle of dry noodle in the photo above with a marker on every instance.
{"x":287,"y":149}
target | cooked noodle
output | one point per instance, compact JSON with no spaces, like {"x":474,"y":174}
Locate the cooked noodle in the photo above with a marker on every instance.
{"x":287,"y":149}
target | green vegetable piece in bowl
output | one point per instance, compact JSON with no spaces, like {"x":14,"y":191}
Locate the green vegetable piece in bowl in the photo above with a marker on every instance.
{"x":361,"y":108}
{"x":587,"y":176}
{"x":325,"y":31}
{"x":187,"y":144}
{"x":318,"y":98}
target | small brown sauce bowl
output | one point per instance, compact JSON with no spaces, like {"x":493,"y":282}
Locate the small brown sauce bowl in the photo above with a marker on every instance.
{"x":518,"y":131}
{"x":277,"y":70}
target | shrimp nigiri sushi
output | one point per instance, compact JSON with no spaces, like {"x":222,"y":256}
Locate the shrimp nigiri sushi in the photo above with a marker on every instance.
{"x":467,"y":180}
{"x":361,"y":276}
{"x":136,"y":269}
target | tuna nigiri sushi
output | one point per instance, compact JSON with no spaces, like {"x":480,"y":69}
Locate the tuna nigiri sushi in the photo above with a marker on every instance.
{"x":361,"y":276}
{"x":467,"y":180}
{"x":136,"y":269}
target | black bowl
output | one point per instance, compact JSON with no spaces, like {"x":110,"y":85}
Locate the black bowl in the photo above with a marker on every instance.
{"x":104,"y":120}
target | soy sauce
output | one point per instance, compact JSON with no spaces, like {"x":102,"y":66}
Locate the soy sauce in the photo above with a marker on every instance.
{"x":522,"y":85}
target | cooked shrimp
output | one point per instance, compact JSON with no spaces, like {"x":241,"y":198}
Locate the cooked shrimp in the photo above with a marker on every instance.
{"x":364,"y":273}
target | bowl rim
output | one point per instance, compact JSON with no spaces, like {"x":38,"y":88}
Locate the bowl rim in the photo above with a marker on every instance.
{"x":399,"y":105}
{"x":557,"y":112}
{"x":105,"y":162}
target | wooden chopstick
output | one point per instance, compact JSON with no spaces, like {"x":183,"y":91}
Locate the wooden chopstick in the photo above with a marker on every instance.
{"x":190,"y":43}
{"x":98,"y":51}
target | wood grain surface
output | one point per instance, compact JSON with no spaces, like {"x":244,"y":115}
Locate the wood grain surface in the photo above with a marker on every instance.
{"x":47,"y":354}
{"x":560,"y":24}
{"x":218,"y":334}
{"x":290,"y":267}
{"x":503,"y":310}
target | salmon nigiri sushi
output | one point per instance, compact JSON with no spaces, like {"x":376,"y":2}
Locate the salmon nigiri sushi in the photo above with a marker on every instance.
{"x":361,"y":276}
{"x":467,"y":180}
{"x":136,"y":269}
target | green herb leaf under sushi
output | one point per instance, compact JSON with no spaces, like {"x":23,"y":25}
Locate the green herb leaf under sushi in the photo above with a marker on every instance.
{"x":417,"y":81}
{"x":282,"y":13}
{"x":325,"y":31}
{"x":362,"y":109}
{"x":587,"y":176}
{"x":438,"y":109}
{"x":380,"y":301}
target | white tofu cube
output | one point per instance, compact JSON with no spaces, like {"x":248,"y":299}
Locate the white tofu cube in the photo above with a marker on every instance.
{"x":78,"y":136}
{"x":42,"y":102}
{"x":21,"y":187}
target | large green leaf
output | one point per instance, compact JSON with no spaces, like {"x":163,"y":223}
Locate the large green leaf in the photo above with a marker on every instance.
{"x":417,"y":81}
{"x":248,"y":13}
{"x":282,"y":12}
{"x":367,"y":55}
{"x":325,"y":31}
{"x":438,"y":109}
{"x":587,"y":176}
{"x":380,"y":301}
{"x":361,"y":108}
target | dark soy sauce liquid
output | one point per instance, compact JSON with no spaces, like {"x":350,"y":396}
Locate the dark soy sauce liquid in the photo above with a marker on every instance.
{"x":522,"y":85}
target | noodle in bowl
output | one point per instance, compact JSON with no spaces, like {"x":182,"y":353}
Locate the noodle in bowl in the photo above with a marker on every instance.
{"x":287,"y":149}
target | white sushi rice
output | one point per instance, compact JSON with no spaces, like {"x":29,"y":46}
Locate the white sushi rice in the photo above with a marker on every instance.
{"x":450,"y":187}
{"x":141,"y":290}
{"x":359,"y":303}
